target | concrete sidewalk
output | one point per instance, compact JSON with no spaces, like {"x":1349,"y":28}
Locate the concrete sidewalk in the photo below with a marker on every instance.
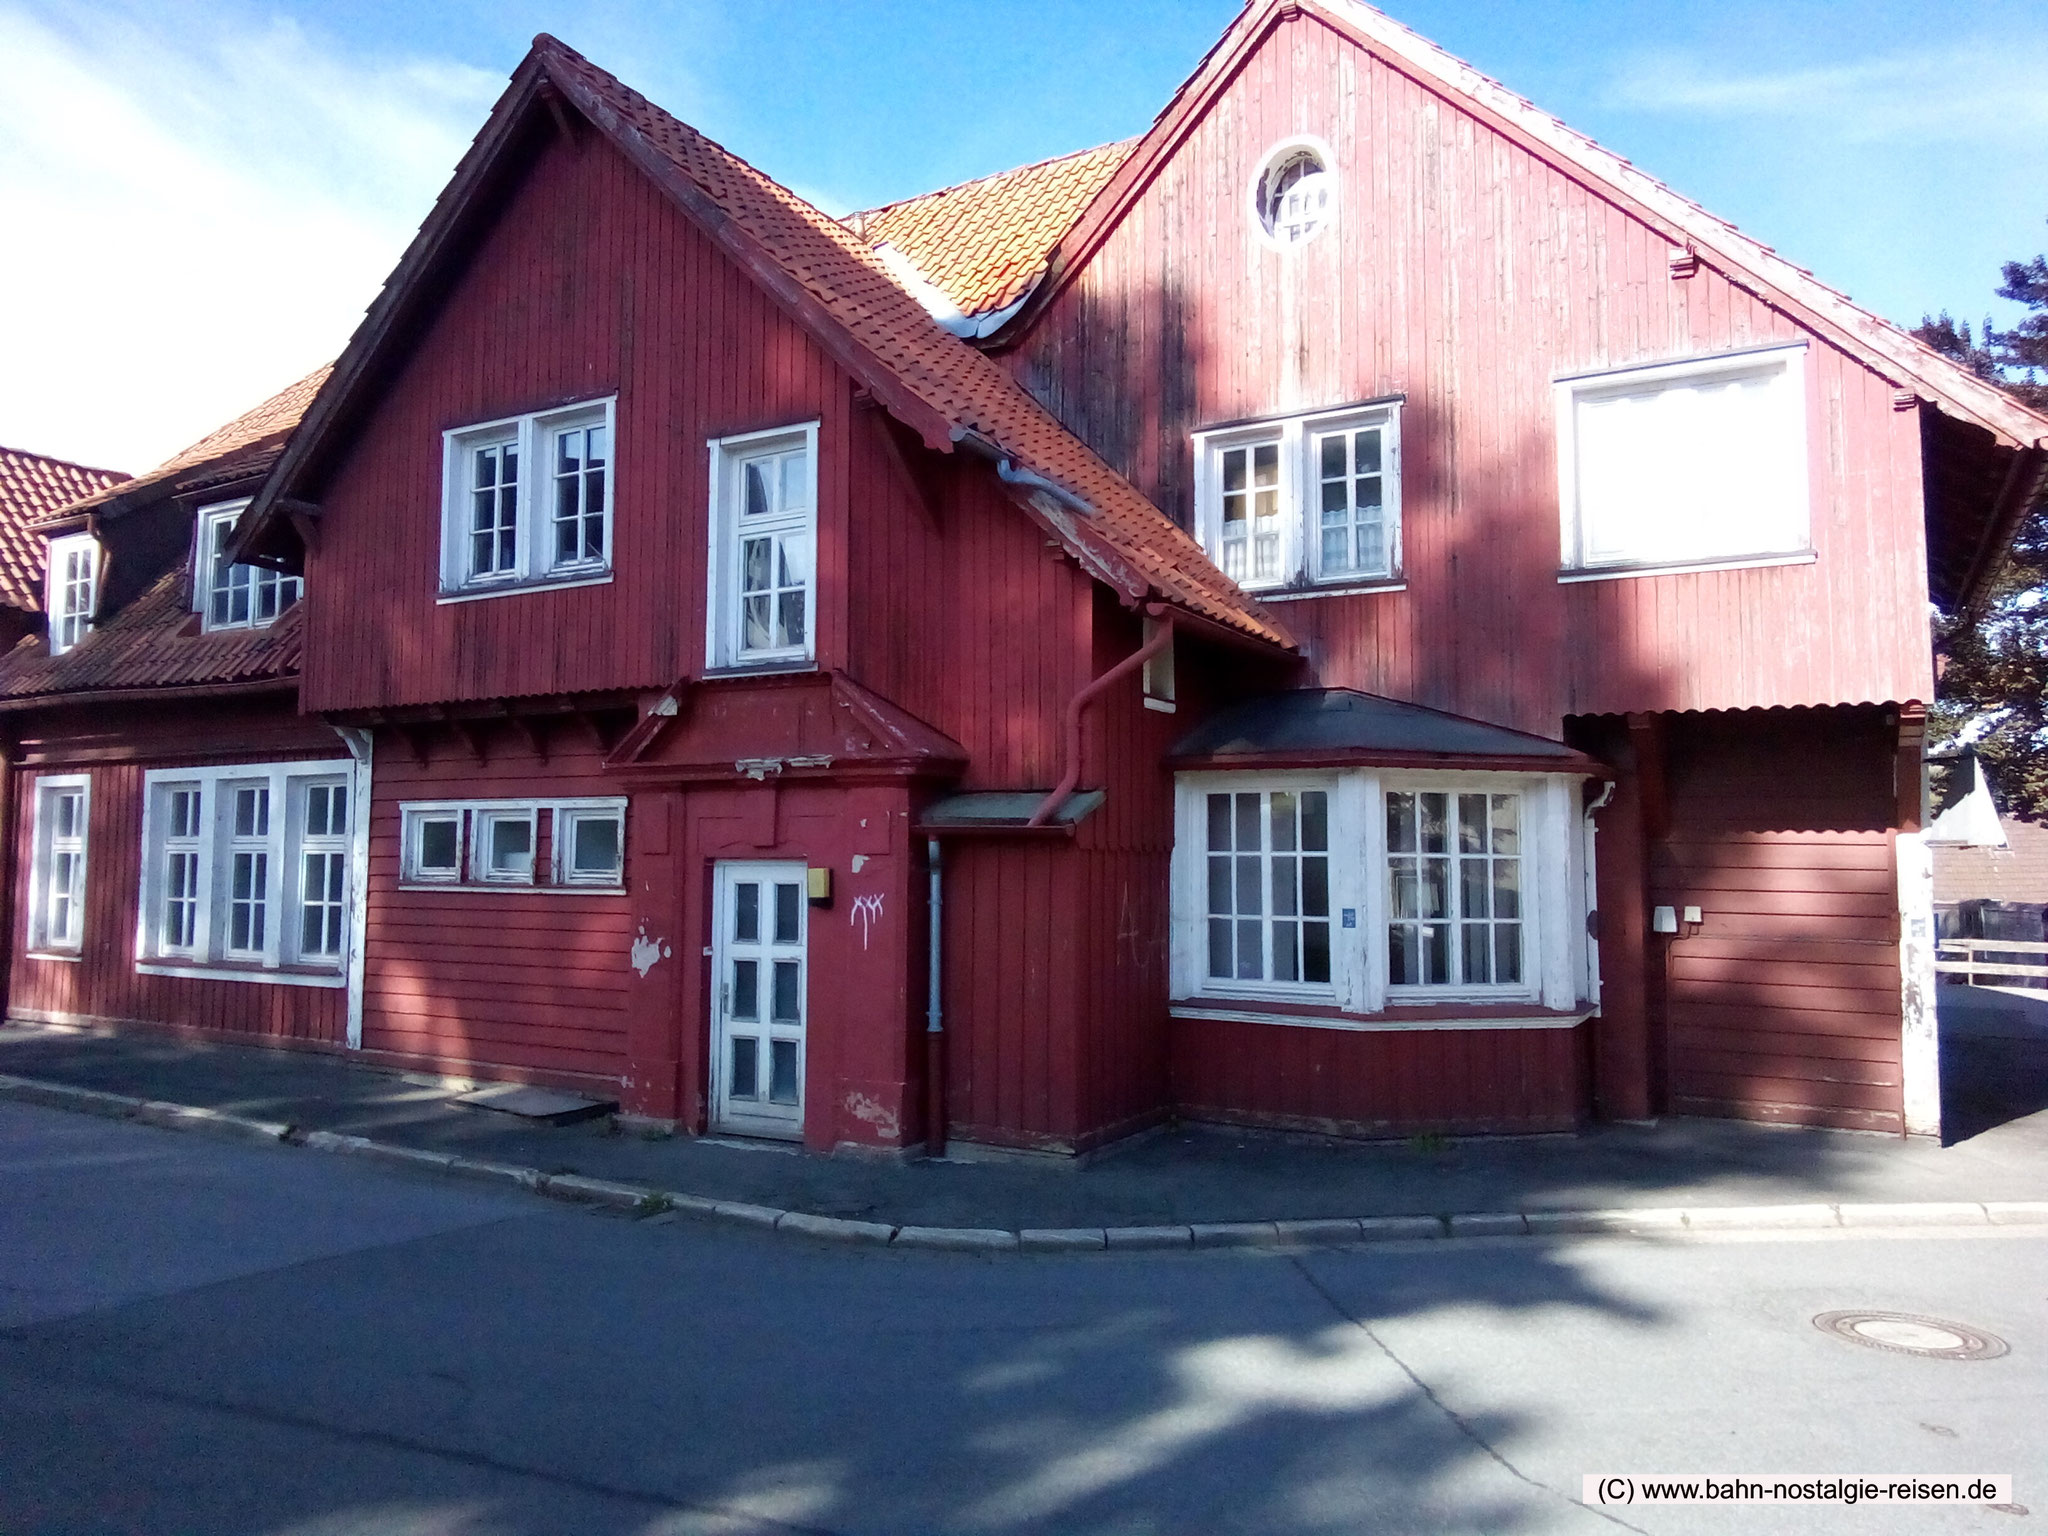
{"x":1188,"y":1176}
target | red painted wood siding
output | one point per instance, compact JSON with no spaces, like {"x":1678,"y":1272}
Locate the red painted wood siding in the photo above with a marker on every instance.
{"x":589,"y":283}
{"x":1381,"y":1083}
{"x":115,"y":744}
{"x":528,"y":979}
{"x":1785,"y":1005}
{"x":1466,"y":275}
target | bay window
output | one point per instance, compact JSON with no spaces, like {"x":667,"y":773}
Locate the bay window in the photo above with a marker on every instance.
{"x":527,"y":502}
{"x":761,"y":608}
{"x":1363,"y":891}
{"x":245,"y":871}
{"x":1307,"y":503}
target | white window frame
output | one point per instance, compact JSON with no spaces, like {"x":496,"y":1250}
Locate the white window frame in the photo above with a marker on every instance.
{"x":1327,"y":188}
{"x":43,"y":938}
{"x":1553,"y":898}
{"x":1530,"y":896}
{"x":1569,"y":391}
{"x":1300,"y":517}
{"x":562,"y":839}
{"x":70,"y":611}
{"x":724,"y":645}
{"x":282,"y":843}
{"x":285,"y":590}
{"x":534,"y":566}
{"x":472,"y":819}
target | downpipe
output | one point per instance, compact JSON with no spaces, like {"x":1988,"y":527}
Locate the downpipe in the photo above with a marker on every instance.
{"x":1161,"y":638}
{"x":934,"y":1013}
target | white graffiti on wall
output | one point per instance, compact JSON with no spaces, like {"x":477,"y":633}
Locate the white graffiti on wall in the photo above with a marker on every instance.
{"x":867,"y":911}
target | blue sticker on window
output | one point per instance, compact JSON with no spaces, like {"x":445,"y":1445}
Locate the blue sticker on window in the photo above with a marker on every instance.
{"x":1351,"y":917}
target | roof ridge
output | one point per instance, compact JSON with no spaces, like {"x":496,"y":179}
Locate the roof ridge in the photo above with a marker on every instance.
{"x":850,"y":219}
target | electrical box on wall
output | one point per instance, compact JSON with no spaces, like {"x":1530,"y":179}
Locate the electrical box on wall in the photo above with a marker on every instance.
{"x":819,"y":882}
{"x":1663,"y":920}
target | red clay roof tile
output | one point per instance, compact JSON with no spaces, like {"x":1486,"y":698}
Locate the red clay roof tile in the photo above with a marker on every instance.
{"x":984,"y":243}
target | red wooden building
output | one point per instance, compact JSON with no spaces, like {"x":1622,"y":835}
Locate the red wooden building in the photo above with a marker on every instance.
{"x":1355,"y":610}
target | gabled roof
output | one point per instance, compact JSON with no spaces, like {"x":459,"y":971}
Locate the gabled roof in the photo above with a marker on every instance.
{"x":32,"y":486}
{"x":240,"y":450}
{"x":828,"y":279}
{"x":1881,"y":346}
{"x":984,"y":243}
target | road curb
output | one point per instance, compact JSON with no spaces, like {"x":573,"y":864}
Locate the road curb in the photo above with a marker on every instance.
{"x":1344,"y":1232}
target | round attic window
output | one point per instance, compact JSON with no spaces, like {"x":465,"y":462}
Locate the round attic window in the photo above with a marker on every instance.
{"x":1294,"y":196}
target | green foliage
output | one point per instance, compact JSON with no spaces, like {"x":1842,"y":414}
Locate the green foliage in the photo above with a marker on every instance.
{"x":1994,"y":680}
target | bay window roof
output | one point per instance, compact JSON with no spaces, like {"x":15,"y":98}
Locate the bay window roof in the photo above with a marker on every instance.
{"x":1340,"y":727}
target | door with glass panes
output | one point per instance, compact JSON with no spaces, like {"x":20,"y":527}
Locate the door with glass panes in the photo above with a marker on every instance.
{"x":758,"y":999}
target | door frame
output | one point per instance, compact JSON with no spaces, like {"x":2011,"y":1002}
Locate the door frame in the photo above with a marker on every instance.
{"x":722,"y":1116}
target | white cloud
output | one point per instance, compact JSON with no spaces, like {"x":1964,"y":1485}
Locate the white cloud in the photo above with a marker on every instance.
{"x":1975,"y":91}
{"x":197,"y":221}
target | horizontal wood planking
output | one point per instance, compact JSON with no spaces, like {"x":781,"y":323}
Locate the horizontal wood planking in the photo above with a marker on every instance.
{"x":1465,"y":274}
{"x":103,"y":982}
{"x":521,"y":978}
{"x":588,"y":283}
{"x":1392,"y":1082}
{"x":1787,"y":997}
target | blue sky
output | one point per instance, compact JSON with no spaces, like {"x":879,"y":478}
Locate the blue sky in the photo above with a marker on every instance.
{"x":205,"y":197}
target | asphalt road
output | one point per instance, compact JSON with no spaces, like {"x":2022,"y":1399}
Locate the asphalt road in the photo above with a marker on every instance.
{"x":209,"y":1337}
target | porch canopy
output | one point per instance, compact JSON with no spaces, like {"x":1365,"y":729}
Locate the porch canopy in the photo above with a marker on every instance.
{"x":1344,"y":728}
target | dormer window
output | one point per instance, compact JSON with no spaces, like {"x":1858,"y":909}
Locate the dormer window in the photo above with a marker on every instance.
{"x":73,"y":585}
{"x":527,"y":502}
{"x":232,"y":596}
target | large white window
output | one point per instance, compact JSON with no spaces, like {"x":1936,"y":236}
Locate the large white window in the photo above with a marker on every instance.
{"x":73,"y":587}
{"x":527,"y":501}
{"x":762,"y":608}
{"x":56,"y":919}
{"x":245,"y":871}
{"x":1363,"y":892}
{"x":235,"y":596}
{"x":1684,"y":464}
{"x":1308,"y":502}
{"x":514,"y":844}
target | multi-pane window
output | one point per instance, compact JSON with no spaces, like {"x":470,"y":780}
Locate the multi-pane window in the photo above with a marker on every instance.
{"x":764,"y":531}
{"x":247,"y":869}
{"x":581,"y":464}
{"x":1454,"y":889}
{"x":1304,"y":501}
{"x":528,"y":500}
{"x":1351,"y":501}
{"x":323,"y":870}
{"x":233,"y":596}
{"x":1268,"y":870}
{"x":73,"y":586}
{"x":493,"y":509}
{"x":483,"y":844}
{"x":179,"y":929}
{"x":57,"y":916}
{"x":1251,"y":531}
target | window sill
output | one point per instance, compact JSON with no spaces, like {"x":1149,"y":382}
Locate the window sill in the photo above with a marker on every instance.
{"x":785,"y":668}
{"x":1398,"y":1017}
{"x":508,"y":888}
{"x":68,"y":956}
{"x":284,"y":976}
{"x":1735,"y":563}
{"x":480,"y":591}
{"x":1334,"y":589}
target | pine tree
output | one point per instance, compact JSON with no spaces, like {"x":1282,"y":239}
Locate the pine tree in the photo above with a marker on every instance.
{"x":1994,"y":677}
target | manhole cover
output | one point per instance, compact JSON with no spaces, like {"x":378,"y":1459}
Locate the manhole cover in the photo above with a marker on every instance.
{"x":1903,"y":1333}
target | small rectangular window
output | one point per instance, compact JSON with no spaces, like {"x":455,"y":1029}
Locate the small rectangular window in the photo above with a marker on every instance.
{"x":232,"y":596}
{"x":503,"y":843}
{"x":764,"y":536}
{"x":57,"y":896}
{"x":528,"y":501}
{"x":590,"y":846}
{"x":1685,"y":463}
{"x":73,"y":587}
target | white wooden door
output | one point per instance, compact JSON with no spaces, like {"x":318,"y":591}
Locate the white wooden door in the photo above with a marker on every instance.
{"x":758,"y":999}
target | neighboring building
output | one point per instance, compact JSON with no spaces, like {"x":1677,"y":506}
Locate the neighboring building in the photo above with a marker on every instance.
{"x":1990,"y":873}
{"x":161,"y":845}
{"x":32,"y":486}
{"x":1355,"y":611}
